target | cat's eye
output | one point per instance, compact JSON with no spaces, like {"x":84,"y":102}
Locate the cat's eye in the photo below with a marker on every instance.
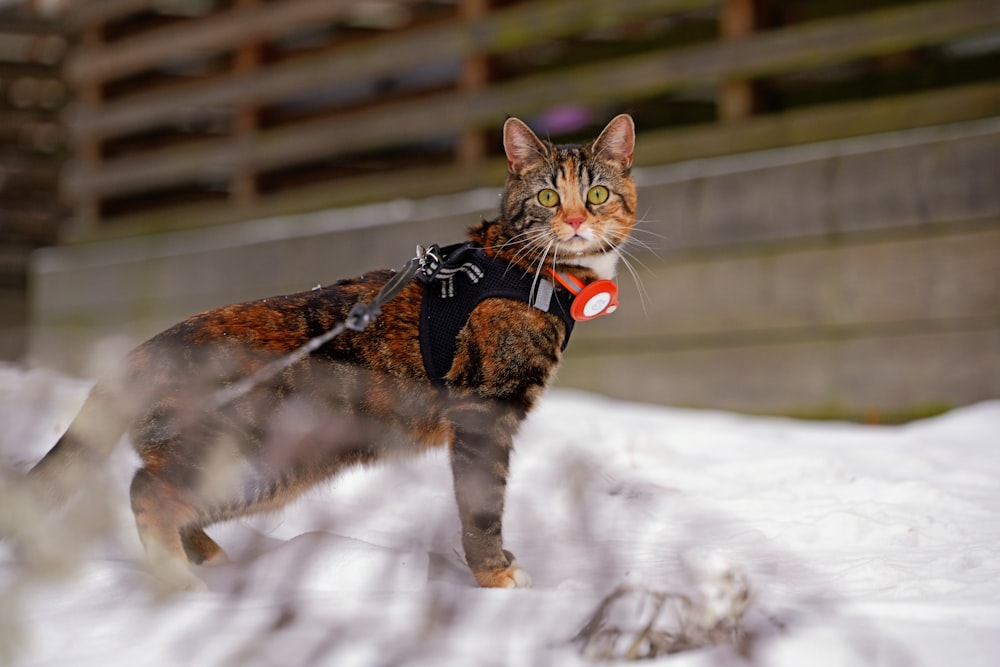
{"x":597,"y":194}
{"x":548,"y":198}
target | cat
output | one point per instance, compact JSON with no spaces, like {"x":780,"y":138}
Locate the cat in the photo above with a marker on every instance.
{"x":363,"y":396}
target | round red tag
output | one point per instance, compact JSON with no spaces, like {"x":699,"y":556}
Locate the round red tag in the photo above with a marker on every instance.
{"x":595,"y":299}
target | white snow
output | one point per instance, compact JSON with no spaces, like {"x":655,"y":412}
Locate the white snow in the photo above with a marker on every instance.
{"x":860,"y":545}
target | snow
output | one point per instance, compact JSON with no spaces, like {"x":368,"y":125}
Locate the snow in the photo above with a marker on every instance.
{"x":858,"y":545}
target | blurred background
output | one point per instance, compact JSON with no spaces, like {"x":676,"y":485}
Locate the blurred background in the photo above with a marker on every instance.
{"x":819,"y":179}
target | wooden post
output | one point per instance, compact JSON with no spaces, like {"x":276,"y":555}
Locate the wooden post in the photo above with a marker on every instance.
{"x":474,"y":78}
{"x":89,"y":95}
{"x":243,"y":183}
{"x":739,"y":19}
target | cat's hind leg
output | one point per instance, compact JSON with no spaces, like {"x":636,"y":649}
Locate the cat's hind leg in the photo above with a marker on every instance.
{"x":202,"y":549}
{"x":161,"y":515}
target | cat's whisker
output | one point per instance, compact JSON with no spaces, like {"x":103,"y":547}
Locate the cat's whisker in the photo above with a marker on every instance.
{"x":512,"y":241}
{"x":640,"y":288}
{"x":625,"y":252}
{"x":533,"y":245}
{"x":641,"y":244}
{"x":541,"y":264}
{"x":645,"y":218}
{"x":608,"y":237}
{"x":630,"y":260}
{"x":639,"y":230}
{"x":529,"y":241}
{"x":555,"y":256}
{"x":649,"y":232}
{"x":625,"y":239}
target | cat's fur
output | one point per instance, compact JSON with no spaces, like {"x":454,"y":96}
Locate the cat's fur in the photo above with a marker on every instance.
{"x":364,"y":396}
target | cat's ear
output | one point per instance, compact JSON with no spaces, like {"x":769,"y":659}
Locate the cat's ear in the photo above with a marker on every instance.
{"x":617,"y":141}
{"x":521,"y":145}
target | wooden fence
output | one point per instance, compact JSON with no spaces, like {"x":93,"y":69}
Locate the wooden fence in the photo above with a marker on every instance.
{"x":243,"y":109}
{"x":850,"y":278}
{"x":819,"y":178}
{"x":32,"y":147}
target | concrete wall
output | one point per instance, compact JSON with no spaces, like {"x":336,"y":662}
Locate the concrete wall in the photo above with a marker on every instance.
{"x":850,"y":278}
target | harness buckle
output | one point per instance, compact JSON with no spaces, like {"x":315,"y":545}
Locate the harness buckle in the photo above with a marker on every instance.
{"x":429,"y":261}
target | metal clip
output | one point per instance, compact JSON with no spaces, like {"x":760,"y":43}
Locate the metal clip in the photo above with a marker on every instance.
{"x":428,"y":261}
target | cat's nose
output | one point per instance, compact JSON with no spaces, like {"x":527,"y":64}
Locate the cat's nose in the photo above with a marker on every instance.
{"x":575,"y":222}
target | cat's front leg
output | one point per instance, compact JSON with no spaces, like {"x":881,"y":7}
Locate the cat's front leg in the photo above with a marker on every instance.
{"x":480,"y":453}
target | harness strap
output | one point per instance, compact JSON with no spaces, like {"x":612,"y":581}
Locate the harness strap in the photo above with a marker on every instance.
{"x":464,"y":278}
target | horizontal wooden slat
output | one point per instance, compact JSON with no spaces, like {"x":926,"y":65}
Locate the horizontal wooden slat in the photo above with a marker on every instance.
{"x":12,"y":69}
{"x":792,"y":49}
{"x":844,"y":374}
{"x":874,"y":291}
{"x":98,"y":285}
{"x":705,"y":300}
{"x":210,"y":34}
{"x":410,"y":183}
{"x":19,"y":181}
{"x":833,"y":121}
{"x":85,"y":13}
{"x":825,"y":123}
{"x":22,"y":23}
{"x":501,"y":32}
{"x":37,"y":227}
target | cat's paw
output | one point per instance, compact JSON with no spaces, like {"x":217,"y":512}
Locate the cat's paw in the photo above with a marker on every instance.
{"x":508,"y":577}
{"x":218,"y":558}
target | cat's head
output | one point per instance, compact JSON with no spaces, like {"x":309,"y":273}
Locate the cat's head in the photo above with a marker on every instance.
{"x":569,"y":205}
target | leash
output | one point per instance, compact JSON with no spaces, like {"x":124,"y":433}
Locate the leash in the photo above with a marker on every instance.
{"x":588,"y":301}
{"x":426,"y":262}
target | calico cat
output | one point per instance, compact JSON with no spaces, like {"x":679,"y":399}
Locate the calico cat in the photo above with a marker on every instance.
{"x":365,"y":395}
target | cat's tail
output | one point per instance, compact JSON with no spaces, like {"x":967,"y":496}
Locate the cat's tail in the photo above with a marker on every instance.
{"x":83,"y":448}
{"x":35,"y":517}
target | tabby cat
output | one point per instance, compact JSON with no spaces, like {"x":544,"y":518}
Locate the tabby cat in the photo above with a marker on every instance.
{"x":364,"y":396}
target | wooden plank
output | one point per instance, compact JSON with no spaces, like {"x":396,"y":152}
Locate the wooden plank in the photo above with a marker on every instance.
{"x":12,"y":69}
{"x":904,"y":280}
{"x":210,"y":34}
{"x":18,"y":180}
{"x":791,"y":49}
{"x":10,"y":115}
{"x":501,"y":31}
{"x":411,"y":183}
{"x":21,"y":23}
{"x":87,"y":150}
{"x":39,"y":138}
{"x":243,"y":183}
{"x":13,"y":321}
{"x":28,"y":224}
{"x":84,"y":14}
{"x":833,"y":121}
{"x":13,"y":159}
{"x":738,"y":20}
{"x":842,"y":374}
{"x":879,"y":32}
{"x":786,"y":129}
{"x":473,"y":79}
{"x":227,"y":30}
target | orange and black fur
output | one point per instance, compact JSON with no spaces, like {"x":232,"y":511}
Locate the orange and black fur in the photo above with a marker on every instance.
{"x":364,"y":396}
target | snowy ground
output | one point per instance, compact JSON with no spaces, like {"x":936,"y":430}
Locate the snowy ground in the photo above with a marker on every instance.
{"x":861,"y":545}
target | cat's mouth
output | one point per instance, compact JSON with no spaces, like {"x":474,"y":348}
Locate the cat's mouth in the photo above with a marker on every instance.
{"x":577,"y":238}
{"x":580,"y":244}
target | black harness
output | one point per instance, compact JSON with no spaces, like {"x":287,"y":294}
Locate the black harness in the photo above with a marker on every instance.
{"x":455,"y":280}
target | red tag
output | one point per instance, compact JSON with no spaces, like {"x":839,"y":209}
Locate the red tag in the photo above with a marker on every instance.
{"x":595,"y":299}
{"x":592,"y":300}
